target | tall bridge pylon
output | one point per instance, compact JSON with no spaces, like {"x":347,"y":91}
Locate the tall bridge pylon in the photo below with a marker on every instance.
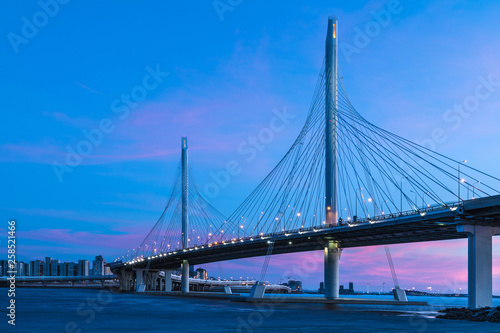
{"x":332,"y":250}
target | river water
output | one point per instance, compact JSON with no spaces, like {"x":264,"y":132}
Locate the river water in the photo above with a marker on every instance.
{"x":84,"y":310}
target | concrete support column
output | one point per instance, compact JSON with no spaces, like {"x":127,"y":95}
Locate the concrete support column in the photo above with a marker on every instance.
{"x":152,"y":279}
{"x":139,"y":278}
{"x":332,"y":258}
{"x":480,"y":263}
{"x":156,"y":280}
{"x":128,"y":280}
{"x":185,"y":277}
{"x":120,"y":277}
{"x":124,"y":276}
{"x":168,"y":280}
{"x":149,"y":281}
{"x":123,"y":279}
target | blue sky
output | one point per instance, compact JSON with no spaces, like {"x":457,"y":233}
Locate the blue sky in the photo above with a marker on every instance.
{"x":226,"y":79}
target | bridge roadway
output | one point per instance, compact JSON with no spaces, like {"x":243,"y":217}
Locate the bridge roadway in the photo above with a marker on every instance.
{"x":431,"y":224}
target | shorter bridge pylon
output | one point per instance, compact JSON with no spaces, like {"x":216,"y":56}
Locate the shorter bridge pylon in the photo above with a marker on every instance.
{"x":185,"y":221}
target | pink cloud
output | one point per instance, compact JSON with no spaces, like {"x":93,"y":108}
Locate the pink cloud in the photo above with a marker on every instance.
{"x":69,"y":215}
{"x":43,"y":152}
{"x":440,"y":265}
{"x":78,"y":242}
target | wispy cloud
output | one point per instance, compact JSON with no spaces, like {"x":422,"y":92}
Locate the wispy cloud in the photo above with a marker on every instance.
{"x":65,"y":119}
{"x":88,"y":88}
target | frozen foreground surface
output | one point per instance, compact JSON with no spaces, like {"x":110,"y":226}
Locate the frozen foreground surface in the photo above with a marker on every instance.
{"x":76,"y":310}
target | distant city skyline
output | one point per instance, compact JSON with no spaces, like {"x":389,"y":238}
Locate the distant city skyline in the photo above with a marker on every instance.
{"x":54,"y":267}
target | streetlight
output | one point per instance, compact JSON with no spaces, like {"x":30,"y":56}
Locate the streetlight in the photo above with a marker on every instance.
{"x":423,"y":199}
{"x":361,"y":192}
{"x":460,"y":180}
{"x":371,"y":200}
{"x":474,"y":190}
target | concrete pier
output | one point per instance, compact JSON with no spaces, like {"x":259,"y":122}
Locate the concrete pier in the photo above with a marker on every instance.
{"x":139,"y":278}
{"x":168,"y":280}
{"x":185,"y":277}
{"x":480,"y":263}
{"x":332,"y":259}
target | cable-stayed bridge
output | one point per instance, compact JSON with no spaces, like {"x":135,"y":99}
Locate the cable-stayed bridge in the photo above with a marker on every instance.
{"x":343,"y":183}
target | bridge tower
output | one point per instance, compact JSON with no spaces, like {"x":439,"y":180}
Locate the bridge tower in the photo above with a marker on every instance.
{"x":185,"y":221}
{"x":332,"y":251}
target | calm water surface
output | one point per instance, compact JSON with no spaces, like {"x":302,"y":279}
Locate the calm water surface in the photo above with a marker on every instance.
{"x":79,"y":310}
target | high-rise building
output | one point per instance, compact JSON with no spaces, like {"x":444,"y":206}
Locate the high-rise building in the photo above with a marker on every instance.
{"x":192,"y":272}
{"x":63,"y":270}
{"x":71,"y":268}
{"x":83,"y":268}
{"x":27,"y":269}
{"x":55,"y":268}
{"x":321,"y":289}
{"x":47,"y":269}
{"x":98,"y":266}
{"x":36,"y":268}
{"x":351,"y":288}
{"x":20,"y":268}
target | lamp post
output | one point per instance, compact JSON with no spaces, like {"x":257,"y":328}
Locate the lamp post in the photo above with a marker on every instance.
{"x":361,"y":194}
{"x":371,"y":200}
{"x":474,"y":190}
{"x":459,"y":178}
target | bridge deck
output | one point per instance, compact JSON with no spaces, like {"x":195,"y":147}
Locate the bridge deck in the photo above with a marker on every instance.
{"x":429,"y":225}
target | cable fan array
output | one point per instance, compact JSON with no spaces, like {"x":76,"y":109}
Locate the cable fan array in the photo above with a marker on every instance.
{"x":380,"y":174}
{"x":166,"y":235}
